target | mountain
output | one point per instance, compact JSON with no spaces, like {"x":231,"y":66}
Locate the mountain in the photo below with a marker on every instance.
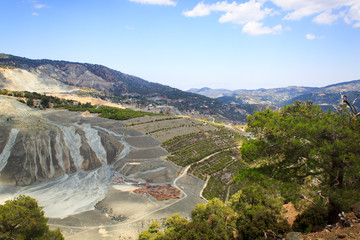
{"x":327,"y":97}
{"x":213,"y":93}
{"x":18,"y":73}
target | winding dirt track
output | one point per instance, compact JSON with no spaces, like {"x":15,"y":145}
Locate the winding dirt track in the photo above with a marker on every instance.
{"x":184,"y":172}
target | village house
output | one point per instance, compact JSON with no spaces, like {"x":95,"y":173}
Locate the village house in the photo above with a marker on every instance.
{"x":37,"y":103}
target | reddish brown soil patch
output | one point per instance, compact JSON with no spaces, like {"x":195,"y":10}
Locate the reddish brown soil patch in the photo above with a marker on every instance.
{"x":290,"y":213}
{"x":160,"y":192}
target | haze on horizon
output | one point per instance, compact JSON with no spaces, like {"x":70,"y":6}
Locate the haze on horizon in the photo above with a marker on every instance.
{"x":245,"y":44}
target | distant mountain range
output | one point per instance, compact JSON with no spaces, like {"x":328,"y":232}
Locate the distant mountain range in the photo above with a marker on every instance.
{"x":18,"y":73}
{"x":327,"y":96}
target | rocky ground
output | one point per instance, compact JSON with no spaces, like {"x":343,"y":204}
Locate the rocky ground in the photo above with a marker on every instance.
{"x":348,"y":227}
{"x":32,"y":81}
{"x":89,"y":202}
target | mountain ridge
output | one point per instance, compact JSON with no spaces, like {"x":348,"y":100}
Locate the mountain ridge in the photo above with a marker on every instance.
{"x":327,"y":96}
{"x":197,"y":90}
{"x":119,"y":85}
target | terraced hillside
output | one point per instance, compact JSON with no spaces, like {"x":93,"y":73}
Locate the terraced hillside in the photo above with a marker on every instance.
{"x":207,"y":151}
{"x":164,"y":128}
{"x":212,"y":156}
{"x":219,"y":170}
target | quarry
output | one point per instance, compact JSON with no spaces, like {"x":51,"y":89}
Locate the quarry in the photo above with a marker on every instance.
{"x":96,"y":178}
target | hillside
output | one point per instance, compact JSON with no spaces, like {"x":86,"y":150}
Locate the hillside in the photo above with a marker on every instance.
{"x":62,"y":76}
{"x":208,"y":151}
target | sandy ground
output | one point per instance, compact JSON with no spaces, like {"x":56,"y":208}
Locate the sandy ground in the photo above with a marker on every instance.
{"x":8,"y":104}
{"x":86,"y":99}
{"x":32,"y":81}
{"x":135,"y":212}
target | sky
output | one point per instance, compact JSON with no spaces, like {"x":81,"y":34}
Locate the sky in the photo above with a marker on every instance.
{"x":242,"y":44}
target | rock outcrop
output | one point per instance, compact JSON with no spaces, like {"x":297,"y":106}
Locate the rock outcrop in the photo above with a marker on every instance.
{"x":356,"y":209}
{"x":36,"y":146}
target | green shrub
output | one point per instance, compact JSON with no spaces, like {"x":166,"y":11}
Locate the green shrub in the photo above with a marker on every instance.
{"x":314,"y":216}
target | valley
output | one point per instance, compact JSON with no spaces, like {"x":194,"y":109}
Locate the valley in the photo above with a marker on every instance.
{"x":71,"y":139}
{"x":180,"y":120}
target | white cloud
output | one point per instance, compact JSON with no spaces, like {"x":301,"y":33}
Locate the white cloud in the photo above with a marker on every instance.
{"x":38,"y":6}
{"x":248,"y":14}
{"x":310,"y":36}
{"x":353,"y":15}
{"x":257,"y":28}
{"x":239,"y":13}
{"x":302,"y":8}
{"x":199,"y":10}
{"x":252,"y":13}
{"x":326,"y":17}
{"x":35,"y":14}
{"x":156,"y":2}
{"x":326,"y":11}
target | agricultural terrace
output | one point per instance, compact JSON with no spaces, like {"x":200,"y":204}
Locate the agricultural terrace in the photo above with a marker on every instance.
{"x":214,"y":156}
{"x":164,"y":128}
{"x":212,"y":151}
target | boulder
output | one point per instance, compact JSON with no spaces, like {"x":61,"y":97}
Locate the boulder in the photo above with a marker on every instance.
{"x":356,"y":209}
{"x":294,"y":236}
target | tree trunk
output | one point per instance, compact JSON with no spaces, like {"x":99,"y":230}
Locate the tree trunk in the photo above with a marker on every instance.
{"x":336,"y":178}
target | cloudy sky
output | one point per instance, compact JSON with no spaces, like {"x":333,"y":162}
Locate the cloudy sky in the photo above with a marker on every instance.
{"x":219,"y":44}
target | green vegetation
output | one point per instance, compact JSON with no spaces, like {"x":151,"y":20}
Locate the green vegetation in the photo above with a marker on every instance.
{"x":156,"y":120}
{"x":248,"y":215}
{"x":7,"y":66}
{"x":311,"y":149}
{"x":109,"y":112}
{"x":259,"y":205}
{"x":214,"y":220}
{"x":299,"y":154}
{"x":326,"y":100}
{"x":315,"y":215}
{"x":215,"y":163}
{"x":29,"y":97}
{"x":103,"y":111}
{"x":213,"y":154}
{"x":190,"y":148}
{"x":22,"y":218}
{"x":221,"y":169}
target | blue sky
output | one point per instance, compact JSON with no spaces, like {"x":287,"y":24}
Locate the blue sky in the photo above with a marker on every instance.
{"x":245,"y":44}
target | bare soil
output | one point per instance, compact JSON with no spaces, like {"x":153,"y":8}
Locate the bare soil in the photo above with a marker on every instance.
{"x":338,"y":231}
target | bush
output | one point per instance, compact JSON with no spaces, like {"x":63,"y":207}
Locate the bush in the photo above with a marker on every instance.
{"x":314,"y":216}
{"x":22,"y":218}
